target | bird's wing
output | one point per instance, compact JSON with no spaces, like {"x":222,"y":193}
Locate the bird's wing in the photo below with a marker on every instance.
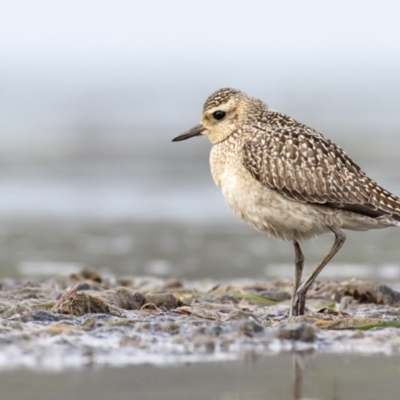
{"x":307,"y":167}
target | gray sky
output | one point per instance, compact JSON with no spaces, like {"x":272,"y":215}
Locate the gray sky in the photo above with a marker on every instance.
{"x":126,"y":63}
{"x":110,"y":32}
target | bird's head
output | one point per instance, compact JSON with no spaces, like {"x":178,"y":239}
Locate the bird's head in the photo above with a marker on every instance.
{"x":223,"y":114}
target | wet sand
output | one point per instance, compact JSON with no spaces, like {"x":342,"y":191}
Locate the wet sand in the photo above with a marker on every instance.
{"x":86,"y":320}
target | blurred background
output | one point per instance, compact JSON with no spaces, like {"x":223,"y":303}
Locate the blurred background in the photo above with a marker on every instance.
{"x":92,"y":92}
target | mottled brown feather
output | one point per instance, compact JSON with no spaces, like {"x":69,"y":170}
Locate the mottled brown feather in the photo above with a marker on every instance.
{"x":303,"y":165}
{"x":220,"y":97}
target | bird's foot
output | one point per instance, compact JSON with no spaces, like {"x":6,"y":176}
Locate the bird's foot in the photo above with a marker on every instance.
{"x":298,"y":304}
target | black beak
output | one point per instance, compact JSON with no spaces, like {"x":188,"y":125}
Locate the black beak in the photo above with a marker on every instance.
{"x":195,"y":131}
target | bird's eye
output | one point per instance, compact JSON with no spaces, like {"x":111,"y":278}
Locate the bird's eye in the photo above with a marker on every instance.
{"x":218,"y":115}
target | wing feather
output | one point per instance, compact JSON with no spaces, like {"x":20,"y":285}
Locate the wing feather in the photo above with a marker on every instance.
{"x":302,"y":165}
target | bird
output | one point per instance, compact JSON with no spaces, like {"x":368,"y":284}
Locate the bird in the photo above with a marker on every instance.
{"x":287,"y":180}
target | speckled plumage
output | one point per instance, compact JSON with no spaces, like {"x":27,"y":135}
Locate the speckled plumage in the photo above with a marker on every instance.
{"x":287,"y":180}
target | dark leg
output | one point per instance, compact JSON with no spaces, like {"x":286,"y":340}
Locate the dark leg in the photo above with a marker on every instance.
{"x":299,"y":264}
{"x":298,"y":376}
{"x":299,"y":302}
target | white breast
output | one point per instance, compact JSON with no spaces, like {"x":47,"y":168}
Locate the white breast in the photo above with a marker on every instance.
{"x":264,"y":209}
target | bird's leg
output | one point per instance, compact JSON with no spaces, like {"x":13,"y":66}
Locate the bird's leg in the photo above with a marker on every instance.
{"x":299,"y":302}
{"x":299,"y":264}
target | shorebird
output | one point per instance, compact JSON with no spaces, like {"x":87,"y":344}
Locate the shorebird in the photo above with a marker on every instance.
{"x":287,"y":180}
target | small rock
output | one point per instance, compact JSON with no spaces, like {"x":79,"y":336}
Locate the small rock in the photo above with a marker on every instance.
{"x":367,"y":292}
{"x":249,"y":327}
{"x":173,"y":284}
{"x":275,"y":295}
{"x":43,"y":316}
{"x":204,"y":344}
{"x":124,"y":298}
{"x":164,"y":300}
{"x":303,"y":332}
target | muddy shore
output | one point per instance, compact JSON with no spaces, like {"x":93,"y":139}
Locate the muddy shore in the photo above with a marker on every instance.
{"x":88,"y":319}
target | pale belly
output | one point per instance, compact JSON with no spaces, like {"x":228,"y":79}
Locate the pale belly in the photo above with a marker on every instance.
{"x":274,"y":215}
{"x":268,"y":211}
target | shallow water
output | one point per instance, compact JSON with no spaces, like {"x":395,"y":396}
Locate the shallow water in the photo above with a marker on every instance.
{"x":222,"y":250}
{"x":157,"y":211}
{"x":328,"y":377}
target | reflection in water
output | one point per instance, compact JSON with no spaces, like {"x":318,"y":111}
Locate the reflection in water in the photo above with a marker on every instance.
{"x":298,"y":367}
{"x":300,"y":362}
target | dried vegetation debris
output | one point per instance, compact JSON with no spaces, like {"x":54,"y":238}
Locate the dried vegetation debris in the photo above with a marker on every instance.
{"x":89,"y":293}
{"x":177,"y":317}
{"x":111,"y":301}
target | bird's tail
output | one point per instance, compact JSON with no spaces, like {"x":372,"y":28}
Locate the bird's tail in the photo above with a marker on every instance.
{"x":385,"y":201}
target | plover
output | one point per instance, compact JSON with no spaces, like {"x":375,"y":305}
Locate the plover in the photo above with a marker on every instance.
{"x":287,"y":180}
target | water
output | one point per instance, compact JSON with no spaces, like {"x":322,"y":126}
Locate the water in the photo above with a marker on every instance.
{"x":159,"y":212}
{"x":286,"y":377}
